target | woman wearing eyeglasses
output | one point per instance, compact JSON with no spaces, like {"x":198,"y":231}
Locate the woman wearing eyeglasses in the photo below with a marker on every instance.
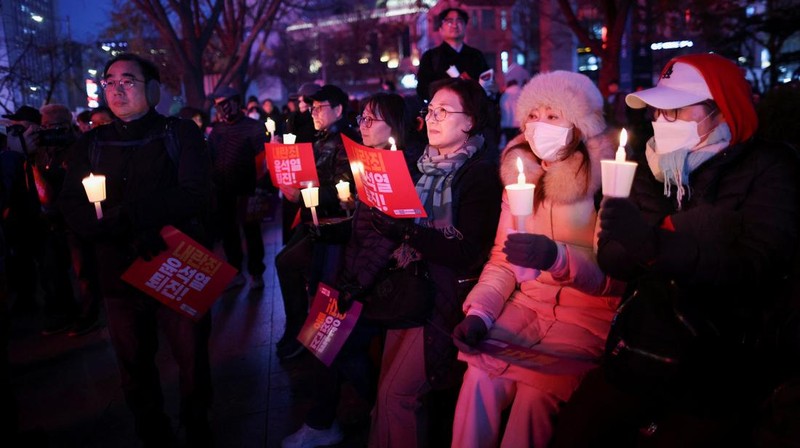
{"x":542,"y":288}
{"x":365,"y":254}
{"x":460,"y":191}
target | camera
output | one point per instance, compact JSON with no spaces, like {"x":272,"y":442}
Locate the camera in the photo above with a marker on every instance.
{"x":15,"y":130}
{"x":56,"y":137}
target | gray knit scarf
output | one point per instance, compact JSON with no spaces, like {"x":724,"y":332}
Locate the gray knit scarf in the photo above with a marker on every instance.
{"x":434,"y":189}
{"x":674,"y":168}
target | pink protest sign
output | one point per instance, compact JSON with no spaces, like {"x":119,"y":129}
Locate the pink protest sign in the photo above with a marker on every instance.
{"x":291,"y":165}
{"x":186,"y":277}
{"x":326,"y":329}
{"x":383,"y":181}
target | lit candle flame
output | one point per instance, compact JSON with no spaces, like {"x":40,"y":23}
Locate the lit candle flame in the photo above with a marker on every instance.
{"x":391,"y":142}
{"x":521,"y":177}
{"x":623,"y":139}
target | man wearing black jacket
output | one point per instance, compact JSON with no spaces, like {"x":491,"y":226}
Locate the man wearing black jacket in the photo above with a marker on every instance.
{"x":148,"y":186}
{"x":453,"y":58}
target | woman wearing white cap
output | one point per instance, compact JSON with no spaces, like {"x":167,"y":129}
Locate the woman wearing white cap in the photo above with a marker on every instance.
{"x":565,"y":311}
{"x":705,"y":241}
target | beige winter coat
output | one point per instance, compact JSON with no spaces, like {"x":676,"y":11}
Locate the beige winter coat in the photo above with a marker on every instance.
{"x":566,"y":313}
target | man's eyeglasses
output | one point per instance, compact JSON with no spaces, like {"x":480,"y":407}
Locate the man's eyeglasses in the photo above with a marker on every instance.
{"x":317,"y":109}
{"x":454,"y":22}
{"x":439,"y":113}
{"x":127,"y":84}
{"x":366,"y":121}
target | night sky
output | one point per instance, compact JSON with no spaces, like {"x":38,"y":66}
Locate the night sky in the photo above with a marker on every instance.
{"x":87,"y":17}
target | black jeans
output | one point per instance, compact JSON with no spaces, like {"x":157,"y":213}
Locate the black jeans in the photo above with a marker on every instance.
{"x":133,"y":323}
{"x":229,"y":222}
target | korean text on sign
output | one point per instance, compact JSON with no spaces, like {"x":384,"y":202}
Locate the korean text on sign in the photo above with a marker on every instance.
{"x":188,"y":268}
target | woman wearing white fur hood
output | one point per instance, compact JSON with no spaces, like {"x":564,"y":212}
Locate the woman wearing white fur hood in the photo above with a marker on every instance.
{"x":542,"y":288}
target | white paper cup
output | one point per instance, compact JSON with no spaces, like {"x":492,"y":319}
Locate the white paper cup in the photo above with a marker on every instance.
{"x":617,"y":178}
{"x":453,"y":72}
{"x":520,"y":199}
{"x":289,"y":139}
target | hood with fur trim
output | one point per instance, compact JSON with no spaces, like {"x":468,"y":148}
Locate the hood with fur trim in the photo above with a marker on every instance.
{"x":560,"y":179}
{"x":573,"y":94}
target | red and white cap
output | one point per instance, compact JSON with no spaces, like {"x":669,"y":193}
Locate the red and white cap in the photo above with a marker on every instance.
{"x":680,"y":85}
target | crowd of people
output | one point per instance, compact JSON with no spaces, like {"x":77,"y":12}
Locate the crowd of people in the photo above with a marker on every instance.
{"x":633,"y":319}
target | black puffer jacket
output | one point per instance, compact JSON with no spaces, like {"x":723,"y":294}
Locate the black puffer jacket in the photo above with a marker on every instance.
{"x":332,"y":166}
{"x":233,"y":148}
{"x":735,"y":235}
{"x":144,"y":189}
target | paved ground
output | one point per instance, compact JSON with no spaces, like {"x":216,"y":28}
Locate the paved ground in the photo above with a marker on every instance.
{"x":68,"y":388}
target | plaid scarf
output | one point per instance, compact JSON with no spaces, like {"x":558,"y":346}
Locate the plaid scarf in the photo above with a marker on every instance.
{"x":435,"y":192}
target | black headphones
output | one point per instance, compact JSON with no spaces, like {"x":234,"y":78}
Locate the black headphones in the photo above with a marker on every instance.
{"x":153,"y":92}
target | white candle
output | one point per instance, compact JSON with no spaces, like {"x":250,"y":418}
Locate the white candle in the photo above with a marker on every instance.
{"x":343,"y":190}
{"x":311,"y":200}
{"x":289,"y":139}
{"x":520,"y":197}
{"x":270,"y":124}
{"x":617,"y":175}
{"x":623,"y":139}
{"x":391,"y":142}
{"x":95,"y":187}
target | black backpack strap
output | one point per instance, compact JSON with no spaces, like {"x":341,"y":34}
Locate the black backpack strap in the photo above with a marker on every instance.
{"x":169,"y":134}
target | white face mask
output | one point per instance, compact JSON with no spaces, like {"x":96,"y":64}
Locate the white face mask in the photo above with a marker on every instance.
{"x":253,"y":115}
{"x":547,"y":140}
{"x":674,"y":135}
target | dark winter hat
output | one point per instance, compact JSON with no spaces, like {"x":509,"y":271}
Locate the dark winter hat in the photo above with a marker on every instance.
{"x":25,"y":113}
{"x":331,"y":94}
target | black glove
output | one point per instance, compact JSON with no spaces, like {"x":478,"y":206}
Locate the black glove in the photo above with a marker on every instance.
{"x":621,"y":221}
{"x":148,"y":244}
{"x":395,"y":229}
{"x":348,"y":294}
{"x":469,"y":333}
{"x":530,"y":250}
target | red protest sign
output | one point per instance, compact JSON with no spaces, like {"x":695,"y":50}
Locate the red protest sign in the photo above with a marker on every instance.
{"x":326,"y":329}
{"x":383,"y":181}
{"x":186,"y":277}
{"x":291,"y":165}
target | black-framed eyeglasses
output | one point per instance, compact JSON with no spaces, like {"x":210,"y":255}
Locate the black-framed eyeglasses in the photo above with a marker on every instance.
{"x":127,"y":84}
{"x":671,"y":115}
{"x":440,"y":113}
{"x":366,"y":121}
{"x":316,"y":109}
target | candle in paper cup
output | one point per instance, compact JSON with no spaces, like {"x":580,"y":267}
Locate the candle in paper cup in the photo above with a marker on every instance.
{"x":311,"y":200}
{"x":391,"y":142}
{"x":289,"y":139}
{"x":520,"y":197}
{"x":343,"y":190}
{"x":618,"y":174}
{"x":95,"y":187}
{"x":270,"y":124}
